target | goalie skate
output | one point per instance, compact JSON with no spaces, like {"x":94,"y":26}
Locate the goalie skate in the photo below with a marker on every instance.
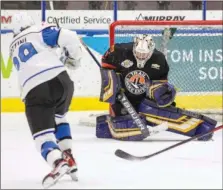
{"x":67,"y":155}
{"x":61,"y":168}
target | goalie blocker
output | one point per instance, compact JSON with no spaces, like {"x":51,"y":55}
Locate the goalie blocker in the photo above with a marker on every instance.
{"x":122,"y":127}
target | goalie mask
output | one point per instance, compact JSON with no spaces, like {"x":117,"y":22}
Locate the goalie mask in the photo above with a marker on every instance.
{"x":143,"y":49}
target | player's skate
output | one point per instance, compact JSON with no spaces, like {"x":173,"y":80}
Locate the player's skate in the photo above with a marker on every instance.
{"x":61,"y":168}
{"x":67,"y":155}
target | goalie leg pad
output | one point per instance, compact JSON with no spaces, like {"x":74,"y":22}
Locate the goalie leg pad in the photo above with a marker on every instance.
{"x":102,"y":129}
{"x":120,"y":128}
{"x":177,"y":122}
{"x":203,"y":128}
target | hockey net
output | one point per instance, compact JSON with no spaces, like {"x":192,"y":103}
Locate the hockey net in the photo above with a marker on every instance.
{"x":194,"y":54}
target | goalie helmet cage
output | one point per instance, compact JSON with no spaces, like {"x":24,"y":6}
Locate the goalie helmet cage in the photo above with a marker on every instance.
{"x":194,"y":55}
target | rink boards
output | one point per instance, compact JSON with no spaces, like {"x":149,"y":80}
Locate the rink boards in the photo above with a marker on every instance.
{"x":200,"y":85}
{"x":92,"y":103}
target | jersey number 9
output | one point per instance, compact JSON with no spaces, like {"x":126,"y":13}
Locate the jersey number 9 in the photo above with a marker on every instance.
{"x":26,"y":51}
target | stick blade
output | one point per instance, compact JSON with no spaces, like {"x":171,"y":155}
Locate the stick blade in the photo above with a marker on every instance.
{"x":124,"y":155}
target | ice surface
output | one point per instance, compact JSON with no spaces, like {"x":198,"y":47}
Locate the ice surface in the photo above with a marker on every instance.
{"x":194,"y":165}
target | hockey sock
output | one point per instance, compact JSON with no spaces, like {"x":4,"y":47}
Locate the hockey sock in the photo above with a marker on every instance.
{"x":46,"y":144}
{"x":63,"y":136}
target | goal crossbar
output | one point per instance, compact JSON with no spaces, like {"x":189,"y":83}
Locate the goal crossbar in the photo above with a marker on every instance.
{"x":113,"y":25}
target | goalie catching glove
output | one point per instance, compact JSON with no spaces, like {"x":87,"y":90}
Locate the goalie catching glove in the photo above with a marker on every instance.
{"x":163,"y":93}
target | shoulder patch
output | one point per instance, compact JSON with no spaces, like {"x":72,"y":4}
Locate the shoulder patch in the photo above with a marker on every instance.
{"x":155,"y":66}
{"x":127,"y":63}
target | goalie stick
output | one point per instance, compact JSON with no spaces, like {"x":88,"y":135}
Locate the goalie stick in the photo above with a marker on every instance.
{"x":128,"y":106}
{"x":130,"y":157}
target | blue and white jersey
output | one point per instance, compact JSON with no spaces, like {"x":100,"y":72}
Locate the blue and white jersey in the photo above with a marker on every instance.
{"x":33,"y":53}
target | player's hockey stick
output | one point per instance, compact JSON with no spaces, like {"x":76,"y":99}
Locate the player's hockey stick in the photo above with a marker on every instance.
{"x":91,"y":54}
{"x":130,"y":157}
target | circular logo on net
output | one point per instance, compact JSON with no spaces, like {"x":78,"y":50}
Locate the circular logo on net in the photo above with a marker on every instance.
{"x":136,"y":82}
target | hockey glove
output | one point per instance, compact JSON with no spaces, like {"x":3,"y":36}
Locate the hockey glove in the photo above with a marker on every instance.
{"x":68,"y":61}
{"x":162,"y":93}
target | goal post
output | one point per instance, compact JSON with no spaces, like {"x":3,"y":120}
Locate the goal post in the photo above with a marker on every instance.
{"x":194,"y":55}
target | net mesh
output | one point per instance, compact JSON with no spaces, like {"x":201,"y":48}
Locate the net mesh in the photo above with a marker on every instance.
{"x":194,"y":55}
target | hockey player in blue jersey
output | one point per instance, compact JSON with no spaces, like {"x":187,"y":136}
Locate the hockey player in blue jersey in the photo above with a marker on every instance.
{"x":47,"y":89}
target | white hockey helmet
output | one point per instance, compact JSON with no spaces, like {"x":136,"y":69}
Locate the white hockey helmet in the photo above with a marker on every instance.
{"x":143,"y":49}
{"x":21,"y":21}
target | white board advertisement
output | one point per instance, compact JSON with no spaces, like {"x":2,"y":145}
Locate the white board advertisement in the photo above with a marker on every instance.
{"x":84,"y":19}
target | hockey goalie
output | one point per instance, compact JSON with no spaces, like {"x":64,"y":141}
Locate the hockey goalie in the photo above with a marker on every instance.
{"x":140,"y":71}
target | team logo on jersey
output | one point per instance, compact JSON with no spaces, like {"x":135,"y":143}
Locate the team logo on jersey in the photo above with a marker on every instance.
{"x":127,"y":63}
{"x":136,"y":82}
